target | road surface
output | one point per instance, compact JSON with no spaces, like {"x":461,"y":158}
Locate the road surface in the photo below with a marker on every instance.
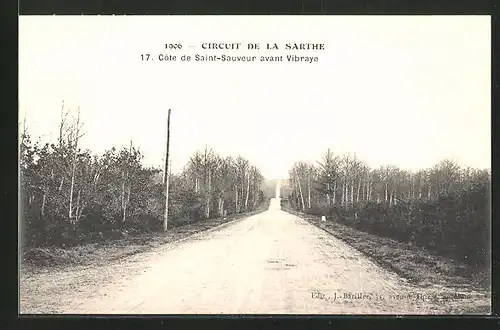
{"x":272,"y":262}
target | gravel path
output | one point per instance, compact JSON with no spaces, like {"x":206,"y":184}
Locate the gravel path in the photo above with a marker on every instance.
{"x":272,"y":262}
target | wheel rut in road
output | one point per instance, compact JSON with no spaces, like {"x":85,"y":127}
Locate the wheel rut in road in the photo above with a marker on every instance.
{"x":269,"y":263}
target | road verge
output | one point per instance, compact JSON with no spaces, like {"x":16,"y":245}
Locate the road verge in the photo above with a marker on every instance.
{"x":94,"y":254}
{"x":413,"y":263}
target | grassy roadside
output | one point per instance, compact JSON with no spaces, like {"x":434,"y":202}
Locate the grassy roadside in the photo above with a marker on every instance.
{"x":93,"y":254}
{"x":416,"y":264}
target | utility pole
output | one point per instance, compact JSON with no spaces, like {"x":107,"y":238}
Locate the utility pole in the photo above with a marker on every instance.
{"x":166,"y":178}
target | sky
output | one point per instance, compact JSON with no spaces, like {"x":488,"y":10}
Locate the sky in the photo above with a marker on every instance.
{"x":402,"y":90}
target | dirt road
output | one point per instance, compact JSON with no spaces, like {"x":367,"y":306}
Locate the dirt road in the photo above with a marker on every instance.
{"x":272,"y":262}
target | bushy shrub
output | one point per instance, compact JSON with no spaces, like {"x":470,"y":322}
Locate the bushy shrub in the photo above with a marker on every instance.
{"x":69,"y":196}
{"x":456,"y":224}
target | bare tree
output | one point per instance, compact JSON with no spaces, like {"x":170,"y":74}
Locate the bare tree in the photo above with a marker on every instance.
{"x":125,"y":196}
{"x":247,"y":174}
{"x":75,"y":137}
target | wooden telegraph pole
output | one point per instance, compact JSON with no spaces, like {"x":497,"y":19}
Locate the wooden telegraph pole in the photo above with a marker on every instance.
{"x":165,"y":180}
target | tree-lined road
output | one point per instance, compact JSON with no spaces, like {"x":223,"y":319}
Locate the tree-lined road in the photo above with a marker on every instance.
{"x":272,"y":262}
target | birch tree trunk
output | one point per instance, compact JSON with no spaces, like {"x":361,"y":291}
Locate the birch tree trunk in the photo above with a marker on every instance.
{"x":125,"y":175}
{"x":254,"y":200}
{"x":367,"y":190}
{"x":72,"y":187}
{"x":248,"y":191}
{"x":236,"y":203}
{"x":334,"y":191}
{"x":73,"y":170}
{"x":208,"y":193}
{"x":359,"y":188}
{"x":342,"y":200}
{"x":328,"y":193}
{"x":96,"y":178}
{"x":309,"y":191}
{"x":363,"y":191}
{"x":301,"y":196}
{"x":220,"y":206}
{"x":124,"y":207}
{"x":346,"y":193}
{"x":370,"y":189}
{"x":77,"y":213}
{"x":352,"y":191}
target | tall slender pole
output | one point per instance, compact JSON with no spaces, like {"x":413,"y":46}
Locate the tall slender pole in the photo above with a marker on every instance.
{"x":166,"y":178}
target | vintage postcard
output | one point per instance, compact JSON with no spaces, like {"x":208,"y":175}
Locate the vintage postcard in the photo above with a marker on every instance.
{"x":255,"y":165}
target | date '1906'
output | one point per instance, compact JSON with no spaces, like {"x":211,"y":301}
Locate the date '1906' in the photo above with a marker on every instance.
{"x":173,"y":46}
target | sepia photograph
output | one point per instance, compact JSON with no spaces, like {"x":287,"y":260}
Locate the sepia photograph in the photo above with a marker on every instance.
{"x":223,"y":165}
